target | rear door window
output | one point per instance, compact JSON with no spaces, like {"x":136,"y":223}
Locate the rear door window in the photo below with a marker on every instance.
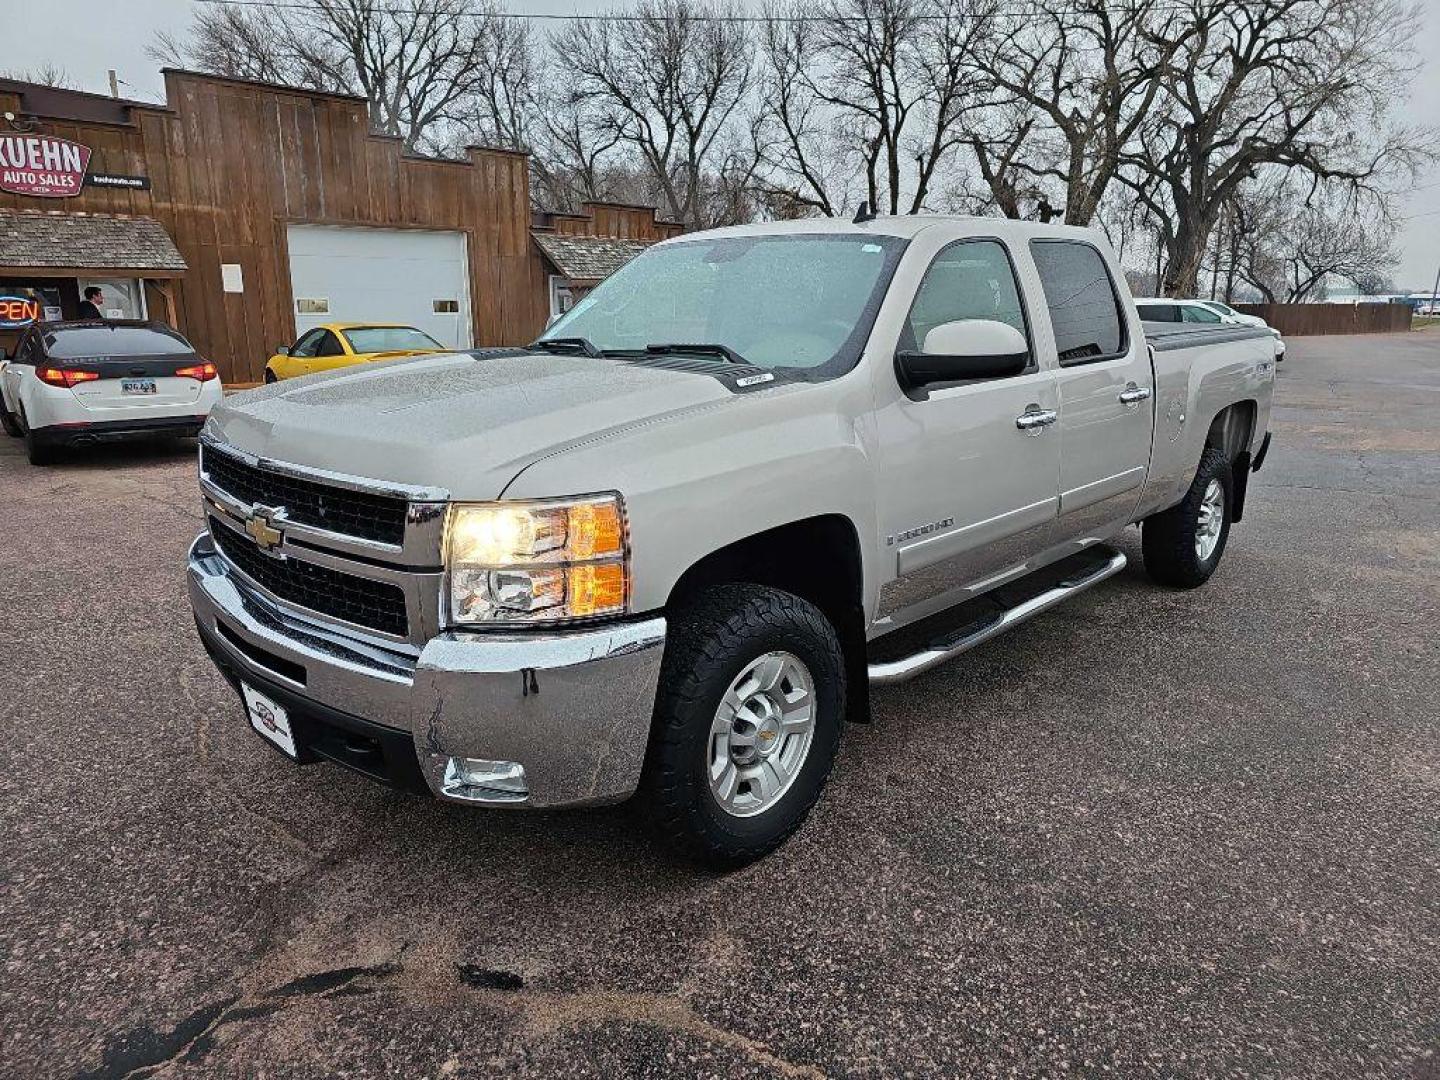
{"x":1084,"y":307}
{"x":1197,"y":314}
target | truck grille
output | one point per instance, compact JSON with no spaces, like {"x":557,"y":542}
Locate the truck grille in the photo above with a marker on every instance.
{"x":323,"y":506}
{"x":378,"y":605}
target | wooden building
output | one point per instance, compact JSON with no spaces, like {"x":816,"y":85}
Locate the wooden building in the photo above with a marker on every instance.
{"x":243,"y":213}
{"x":581,"y":250}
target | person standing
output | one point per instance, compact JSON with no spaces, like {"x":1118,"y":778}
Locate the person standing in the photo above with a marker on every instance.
{"x":90,"y":306}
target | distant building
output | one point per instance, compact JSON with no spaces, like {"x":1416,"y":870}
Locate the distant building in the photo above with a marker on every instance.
{"x":243,"y":213}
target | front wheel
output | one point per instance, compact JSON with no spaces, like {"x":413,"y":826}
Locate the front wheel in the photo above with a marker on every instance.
{"x":270,"y":376}
{"x":747,"y":722}
{"x":1183,"y":545}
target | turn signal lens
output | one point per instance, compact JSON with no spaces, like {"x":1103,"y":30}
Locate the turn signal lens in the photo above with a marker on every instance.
{"x":595,"y":531}
{"x":65,"y":376}
{"x":204,"y":371}
{"x":562,"y":559}
{"x":596,"y":589}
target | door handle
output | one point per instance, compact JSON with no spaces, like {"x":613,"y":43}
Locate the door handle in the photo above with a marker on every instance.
{"x":1133,"y":394}
{"x":1034,"y":421}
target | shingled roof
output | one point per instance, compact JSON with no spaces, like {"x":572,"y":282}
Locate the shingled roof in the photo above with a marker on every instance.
{"x":588,"y":258}
{"x":57,"y":239}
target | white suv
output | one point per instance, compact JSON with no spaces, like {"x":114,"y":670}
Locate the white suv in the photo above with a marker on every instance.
{"x":74,"y":383}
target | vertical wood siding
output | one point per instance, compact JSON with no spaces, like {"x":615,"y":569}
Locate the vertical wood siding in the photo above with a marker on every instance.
{"x":232,"y":163}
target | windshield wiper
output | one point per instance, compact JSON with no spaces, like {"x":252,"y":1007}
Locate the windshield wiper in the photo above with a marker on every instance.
{"x":566,"y":346}
{"x":699,"y":348}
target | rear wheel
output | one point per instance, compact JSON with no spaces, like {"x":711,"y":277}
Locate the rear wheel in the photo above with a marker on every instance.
{"x":1183,"y":545}
{"x":8,"y":421}
{"x":747,"y":723}
{"x":39,"y":449}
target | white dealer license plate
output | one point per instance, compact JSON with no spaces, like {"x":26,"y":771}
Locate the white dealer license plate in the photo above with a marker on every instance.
{"x":137,"y":386}
{"x":269,"y":719}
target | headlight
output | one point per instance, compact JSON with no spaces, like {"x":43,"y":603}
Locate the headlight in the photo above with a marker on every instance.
{"x":537,"y":561}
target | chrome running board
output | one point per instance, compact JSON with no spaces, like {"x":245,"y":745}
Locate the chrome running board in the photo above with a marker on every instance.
{"x":937,"y":652}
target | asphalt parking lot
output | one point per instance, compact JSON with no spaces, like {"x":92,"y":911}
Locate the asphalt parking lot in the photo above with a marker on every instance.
{"x":1153,"y":833}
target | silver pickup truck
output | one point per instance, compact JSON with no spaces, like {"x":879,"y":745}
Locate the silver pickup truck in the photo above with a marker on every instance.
{"x":667,"y":548}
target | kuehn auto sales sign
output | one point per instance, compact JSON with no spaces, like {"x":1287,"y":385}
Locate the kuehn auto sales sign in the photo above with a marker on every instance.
{"x":42,"y":165}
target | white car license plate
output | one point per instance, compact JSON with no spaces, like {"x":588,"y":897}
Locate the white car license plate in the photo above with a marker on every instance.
{"x":137,"y":386}
{"x":269,"y":719}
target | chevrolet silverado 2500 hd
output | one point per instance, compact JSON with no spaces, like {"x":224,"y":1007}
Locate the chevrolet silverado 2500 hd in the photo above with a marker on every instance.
{"x":667,"y":548}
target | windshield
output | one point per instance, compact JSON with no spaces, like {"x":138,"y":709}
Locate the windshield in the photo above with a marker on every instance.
{"x":799,"y":302}
{"x":368,"y":339}
{"x":83,"y":342}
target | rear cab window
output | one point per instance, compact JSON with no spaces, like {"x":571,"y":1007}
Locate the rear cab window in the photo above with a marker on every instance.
{"x":1085,"y":311}
{"x":1158,"y":312}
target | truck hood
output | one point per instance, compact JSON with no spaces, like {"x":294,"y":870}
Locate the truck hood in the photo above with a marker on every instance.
{"x":454,"y":421}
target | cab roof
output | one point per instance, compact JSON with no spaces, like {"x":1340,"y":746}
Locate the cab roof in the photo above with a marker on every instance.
{"x":905,"y":226}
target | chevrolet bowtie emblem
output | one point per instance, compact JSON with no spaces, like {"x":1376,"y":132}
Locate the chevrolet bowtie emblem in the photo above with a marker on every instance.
{"x":261,"y":528}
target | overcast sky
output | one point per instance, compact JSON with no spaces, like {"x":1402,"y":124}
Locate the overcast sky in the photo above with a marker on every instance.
{"x":87,"y":37}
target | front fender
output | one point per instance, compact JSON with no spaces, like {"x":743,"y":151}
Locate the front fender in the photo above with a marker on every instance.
{"x":695,"y":483}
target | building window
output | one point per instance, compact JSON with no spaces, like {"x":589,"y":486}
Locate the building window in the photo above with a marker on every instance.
{"x":312,"y":306}
{"x":445,"y":307}
{"x":123,"y":298}
{"x":562,"y":296}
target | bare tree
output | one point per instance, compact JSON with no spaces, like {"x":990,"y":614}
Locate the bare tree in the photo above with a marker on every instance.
{"x":800,"y":151}
{"x":1295,"y":241}
{"x":1302,"y":85}
{"x":44,"y":75}
{"x":1090,"y":72}
{"x":867,"y":94}
{"x":662,"y":82}
{"x":1000,"y":139}
{"x":500,"y":109}
{"x":424,"y":67}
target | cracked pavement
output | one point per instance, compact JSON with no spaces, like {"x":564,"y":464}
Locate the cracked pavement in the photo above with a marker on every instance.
{"x":1151,"y":832}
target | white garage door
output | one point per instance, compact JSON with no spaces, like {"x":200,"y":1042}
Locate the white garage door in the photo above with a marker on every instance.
{"x":409,"y":276}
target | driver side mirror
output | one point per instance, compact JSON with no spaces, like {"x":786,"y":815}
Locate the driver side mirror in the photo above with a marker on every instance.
{"x":962,"y":350}
{"x":282,"y":350}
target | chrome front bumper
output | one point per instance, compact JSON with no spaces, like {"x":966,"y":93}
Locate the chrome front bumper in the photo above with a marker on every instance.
{"x":572,"y":707}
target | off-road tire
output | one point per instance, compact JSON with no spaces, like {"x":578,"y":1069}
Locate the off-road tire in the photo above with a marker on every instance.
{"x":710,"y":641}
{"x":1168,"y":538}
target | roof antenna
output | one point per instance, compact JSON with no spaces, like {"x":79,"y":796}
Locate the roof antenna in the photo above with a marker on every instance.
{"x":863,"y":214}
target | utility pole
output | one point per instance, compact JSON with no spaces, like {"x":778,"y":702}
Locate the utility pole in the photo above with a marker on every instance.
{"x":114,"y":84}
{"x":1435,"y":293}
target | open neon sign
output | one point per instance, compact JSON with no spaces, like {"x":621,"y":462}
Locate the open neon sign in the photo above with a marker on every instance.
{"x":17,"y":312}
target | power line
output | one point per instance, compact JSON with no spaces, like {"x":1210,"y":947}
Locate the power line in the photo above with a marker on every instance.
{"x":299,"y":5}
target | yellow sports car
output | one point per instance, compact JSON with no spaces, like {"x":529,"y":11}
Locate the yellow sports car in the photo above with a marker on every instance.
{"x":337,"y":345}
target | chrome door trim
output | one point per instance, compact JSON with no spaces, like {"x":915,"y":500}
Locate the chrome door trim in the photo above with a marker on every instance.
{"x":1099,"y":490}
{"x":940,"y":546}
